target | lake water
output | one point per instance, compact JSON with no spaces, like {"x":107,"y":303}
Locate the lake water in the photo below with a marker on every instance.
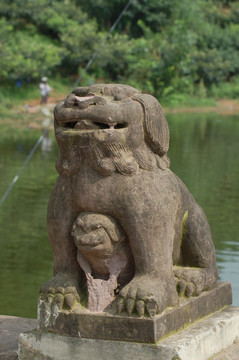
{"x":204,"y":153}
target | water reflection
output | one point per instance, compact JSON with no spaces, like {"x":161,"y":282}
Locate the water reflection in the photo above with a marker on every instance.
{"x":204,"y":153}
{"x":228,"y":265}
{"x":25,"y":257}
{"x":46,"y":145}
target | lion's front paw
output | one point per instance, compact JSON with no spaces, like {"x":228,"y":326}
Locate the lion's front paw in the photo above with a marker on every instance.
{"x":60,"y":292}
{"x":144,"y":294}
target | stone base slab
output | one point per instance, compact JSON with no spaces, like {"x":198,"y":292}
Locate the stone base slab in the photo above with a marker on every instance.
{"x":144,"y":330}
{"x":198,"y":342}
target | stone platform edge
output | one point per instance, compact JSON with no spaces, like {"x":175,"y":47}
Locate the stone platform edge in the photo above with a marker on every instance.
{"x":144,"y":330}
{"x":200,"y":341}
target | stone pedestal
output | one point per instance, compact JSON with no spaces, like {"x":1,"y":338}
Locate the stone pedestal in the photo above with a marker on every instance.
{"x":144,"y":330}
{"x":200,"y":341}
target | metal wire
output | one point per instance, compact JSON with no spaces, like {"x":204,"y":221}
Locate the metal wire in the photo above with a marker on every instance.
{"x":22,"y":167}
{"x":102,"y":43}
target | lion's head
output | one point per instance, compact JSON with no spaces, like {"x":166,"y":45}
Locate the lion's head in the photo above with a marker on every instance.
{"x":113,"y":127}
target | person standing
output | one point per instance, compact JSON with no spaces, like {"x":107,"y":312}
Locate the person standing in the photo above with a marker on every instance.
{"x":44,"y":89}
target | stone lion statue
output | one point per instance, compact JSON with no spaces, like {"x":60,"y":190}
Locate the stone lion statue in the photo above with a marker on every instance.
{"x":113,"y":168}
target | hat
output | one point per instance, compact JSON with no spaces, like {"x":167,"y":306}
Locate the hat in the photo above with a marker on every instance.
{"x":44,"y":79}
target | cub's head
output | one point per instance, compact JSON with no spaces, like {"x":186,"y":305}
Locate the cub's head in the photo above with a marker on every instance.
{"x":113,"y":128}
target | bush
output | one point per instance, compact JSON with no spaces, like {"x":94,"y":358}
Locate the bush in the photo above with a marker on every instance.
{"x":28,"y":56}
{"x":228,"y":90}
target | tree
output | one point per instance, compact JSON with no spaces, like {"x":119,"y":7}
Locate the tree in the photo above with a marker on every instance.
{"x":39,"y":36}
{"x":161,"y":46}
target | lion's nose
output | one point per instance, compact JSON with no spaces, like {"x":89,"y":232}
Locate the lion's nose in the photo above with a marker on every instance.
{"x":83,"y":102}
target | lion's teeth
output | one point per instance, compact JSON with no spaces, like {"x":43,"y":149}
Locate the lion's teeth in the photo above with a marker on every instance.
{"x":112,"y":125}
{"x":78,"y":125}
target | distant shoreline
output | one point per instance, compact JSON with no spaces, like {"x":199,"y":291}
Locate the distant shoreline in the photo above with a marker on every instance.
{"x":30,"y":115}
{"x":223,"y":107}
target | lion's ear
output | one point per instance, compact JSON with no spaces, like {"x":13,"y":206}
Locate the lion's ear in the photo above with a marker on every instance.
{"x":155,"y":124}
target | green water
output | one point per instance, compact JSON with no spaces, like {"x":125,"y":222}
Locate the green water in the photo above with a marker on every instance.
{"x":204,"y":153}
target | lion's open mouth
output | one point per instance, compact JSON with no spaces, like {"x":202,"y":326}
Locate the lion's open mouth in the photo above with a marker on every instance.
{"x":93,"y":125}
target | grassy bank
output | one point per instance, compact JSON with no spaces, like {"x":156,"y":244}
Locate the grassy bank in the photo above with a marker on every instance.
{"x":21,"y":106}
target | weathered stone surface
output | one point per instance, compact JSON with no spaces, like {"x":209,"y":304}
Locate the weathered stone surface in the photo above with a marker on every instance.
{"x":198,"y":342}
{"x":113,"y":169}
{"x":231,"y":353}
{"x":126,"y":230}
{"x":104,"y":256}
{"x":144,"y":330}
{"x":207,"y":337}
{"x":10,"y":329}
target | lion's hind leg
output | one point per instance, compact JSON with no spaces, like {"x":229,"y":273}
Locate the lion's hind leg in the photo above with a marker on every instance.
{"x":197,"y":269}
{"x":191,"y":281}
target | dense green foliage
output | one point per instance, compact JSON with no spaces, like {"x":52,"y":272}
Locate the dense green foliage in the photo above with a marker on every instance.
{"x":165,"y":47}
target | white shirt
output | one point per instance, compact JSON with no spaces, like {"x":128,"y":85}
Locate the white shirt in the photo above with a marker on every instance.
{"x":44,"y":88}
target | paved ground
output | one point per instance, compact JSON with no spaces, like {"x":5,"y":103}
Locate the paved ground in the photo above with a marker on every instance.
{"x":11,"y":327}
{"x":231,"y":353}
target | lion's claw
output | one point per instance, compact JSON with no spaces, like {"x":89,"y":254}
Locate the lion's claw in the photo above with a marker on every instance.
{"x":59,"y":300}
{"x":140,"y":307}
{"x":130,"y":306}
{"x":181,"y":287}
{"x":120,"y":305}
{"x":190,"y":290}
{"x":70,"y":300}
{"x":51,"y":291}
{"x":152,"y":307}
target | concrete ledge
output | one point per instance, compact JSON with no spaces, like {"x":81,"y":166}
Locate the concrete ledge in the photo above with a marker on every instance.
{"x":207,"y":337}
{"x":198,"y":342}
